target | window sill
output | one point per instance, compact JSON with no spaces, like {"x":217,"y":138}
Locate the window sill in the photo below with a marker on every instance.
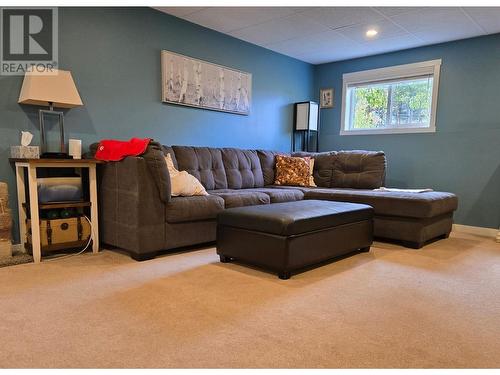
{"x":388,"y":131}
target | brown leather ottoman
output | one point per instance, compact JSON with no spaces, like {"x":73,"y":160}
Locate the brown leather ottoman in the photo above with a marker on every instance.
{"x":285,"y":237}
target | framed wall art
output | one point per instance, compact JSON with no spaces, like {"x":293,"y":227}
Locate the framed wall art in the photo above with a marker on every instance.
{"x":197,"y":83}
{"x":326,"y":98}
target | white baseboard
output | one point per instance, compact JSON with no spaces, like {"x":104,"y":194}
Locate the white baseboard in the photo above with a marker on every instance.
{"x":478,"y":231}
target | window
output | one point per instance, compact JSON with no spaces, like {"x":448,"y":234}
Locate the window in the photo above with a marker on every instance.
{"x":397,"y":99}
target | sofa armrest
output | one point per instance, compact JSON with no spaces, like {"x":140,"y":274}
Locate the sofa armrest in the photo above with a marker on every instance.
{"x":132,"y":211}
{"x":155,"y":161}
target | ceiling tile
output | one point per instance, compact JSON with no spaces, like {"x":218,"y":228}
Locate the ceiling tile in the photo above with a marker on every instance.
{"x":300,"y":9}
{"x":337,"y":17}
{"x":439,"y":34}
{"x":179,"y":11}
{"x":386,"y":29}
{"x":279,"y":30}
{"x":392,"y":11}
{"x":326,"y":41}
{"x":362,"y":49}
{"x":428,"y":18}
{"x":396,"y":43}
{"x":228,"y":19}
{"x":487,"y":17}
{"x":329,"y":56}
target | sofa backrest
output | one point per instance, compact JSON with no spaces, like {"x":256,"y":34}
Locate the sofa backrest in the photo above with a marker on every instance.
{"x":268,"y":164}
{"x":357,"y":169}
{"x":232,"y":168}
{"x":242,"y":167}
{"x":204,"y":163}
{"x":324,"y":163}
{"x":170,"y":150}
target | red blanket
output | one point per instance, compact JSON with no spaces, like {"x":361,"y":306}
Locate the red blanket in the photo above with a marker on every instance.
{"x":113,"y":150}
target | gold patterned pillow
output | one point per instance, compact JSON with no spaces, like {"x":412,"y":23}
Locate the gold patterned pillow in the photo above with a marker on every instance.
{"x":294,"y":171}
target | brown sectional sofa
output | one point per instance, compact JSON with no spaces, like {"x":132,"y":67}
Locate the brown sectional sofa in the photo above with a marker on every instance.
{"x":139,"y":215}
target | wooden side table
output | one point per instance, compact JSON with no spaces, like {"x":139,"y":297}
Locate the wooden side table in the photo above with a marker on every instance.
{"x":31,"y":165}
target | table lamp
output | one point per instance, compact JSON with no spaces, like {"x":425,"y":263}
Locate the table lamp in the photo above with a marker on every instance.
{"x":55,"y":89}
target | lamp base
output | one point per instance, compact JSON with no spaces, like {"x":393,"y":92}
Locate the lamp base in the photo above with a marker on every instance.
{"x":55,"y":155}
{"x":43,"y":140}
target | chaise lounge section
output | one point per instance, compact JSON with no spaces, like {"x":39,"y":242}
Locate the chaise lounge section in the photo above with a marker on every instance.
{"x":411,"y":218}
{"x":139,"y":215}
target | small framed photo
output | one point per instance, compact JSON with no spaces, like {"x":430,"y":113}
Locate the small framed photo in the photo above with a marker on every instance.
{"x":326,"y":98}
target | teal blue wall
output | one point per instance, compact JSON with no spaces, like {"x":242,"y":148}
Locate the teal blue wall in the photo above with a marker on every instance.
{"x":463,"y":156}
{"x":114,"y":55}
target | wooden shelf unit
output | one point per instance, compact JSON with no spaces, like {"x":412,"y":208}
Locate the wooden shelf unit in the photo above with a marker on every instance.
{"x":56,"y":205}
{"x":27,"y":186}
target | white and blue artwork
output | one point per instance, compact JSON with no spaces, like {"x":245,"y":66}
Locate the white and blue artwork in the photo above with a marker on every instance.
{"x":197,"y":83}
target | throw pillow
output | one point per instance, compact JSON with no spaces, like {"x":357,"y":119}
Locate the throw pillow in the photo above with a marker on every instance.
{"x":182,"y":183}
{"x":294,"y":171}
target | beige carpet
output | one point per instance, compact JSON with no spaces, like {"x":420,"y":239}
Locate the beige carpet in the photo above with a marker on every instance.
{"x":392,"y":307}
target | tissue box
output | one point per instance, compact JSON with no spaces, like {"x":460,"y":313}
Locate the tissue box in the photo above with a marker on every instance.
{"x":25,"y":152}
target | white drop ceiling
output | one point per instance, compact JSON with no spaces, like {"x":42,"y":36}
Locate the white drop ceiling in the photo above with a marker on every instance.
{"x":325,"y":34}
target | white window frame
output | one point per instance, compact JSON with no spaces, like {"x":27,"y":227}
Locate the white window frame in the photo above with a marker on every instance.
{"x":390,"y":73}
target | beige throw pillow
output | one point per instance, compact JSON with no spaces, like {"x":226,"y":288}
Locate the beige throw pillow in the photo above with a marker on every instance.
{"x":294,"y":171}
{"x":182,"y":183}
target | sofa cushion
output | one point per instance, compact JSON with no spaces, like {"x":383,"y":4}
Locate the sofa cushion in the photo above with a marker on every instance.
{"x":204,"y":163}
{"x":299,"y":188}
{"x":285,"y":194}
{"x":243,"y":168}
{"x":358,"y":169}
{"x":268,"y":164}
{"x":240,"y":198}
{"x":181,"y":209}
{"x":416,"y":205}
{"x":324,"y":163}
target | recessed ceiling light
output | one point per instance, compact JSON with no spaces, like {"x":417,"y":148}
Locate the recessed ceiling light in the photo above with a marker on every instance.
{"x":371,"y":33}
